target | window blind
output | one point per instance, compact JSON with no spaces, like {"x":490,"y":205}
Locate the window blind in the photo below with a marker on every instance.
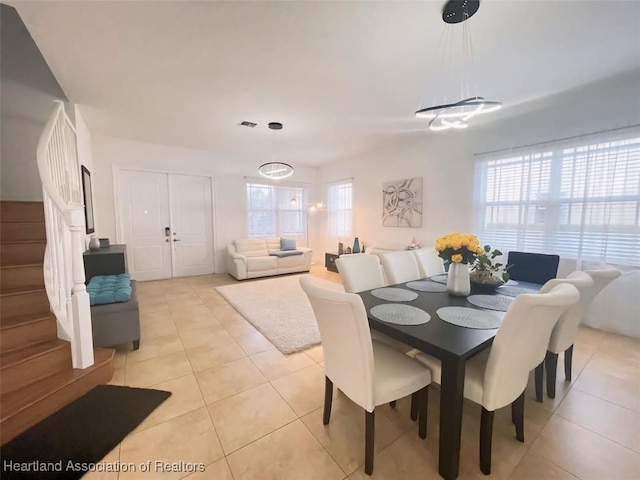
{"x":578,"y":198}
{"x":270,"y":212}
{"x":340,"y":208}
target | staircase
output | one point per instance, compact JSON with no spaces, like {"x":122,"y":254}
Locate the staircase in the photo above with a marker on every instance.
{"x":36,"y":377}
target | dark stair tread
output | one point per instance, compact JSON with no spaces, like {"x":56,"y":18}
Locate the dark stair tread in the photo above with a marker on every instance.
{"x":21,"y":242}
{"x":19,"y":355}
{"x":19,"y":400}
{"x":22,"y":265}
{"x":22,"y":290}
{"x":19,"y":320}
{"x":6,"y":292}
{"x":22,"y":220}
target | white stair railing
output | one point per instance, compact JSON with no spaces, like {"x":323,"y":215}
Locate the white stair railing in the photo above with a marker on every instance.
{"x":59,"y":171}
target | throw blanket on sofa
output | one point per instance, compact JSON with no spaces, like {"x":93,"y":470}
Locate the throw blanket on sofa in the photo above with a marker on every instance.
{"x":104,"y":289}
{"x":286,"y":253}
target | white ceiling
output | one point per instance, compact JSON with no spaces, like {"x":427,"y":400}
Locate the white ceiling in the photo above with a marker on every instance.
{"x":343,"y":77}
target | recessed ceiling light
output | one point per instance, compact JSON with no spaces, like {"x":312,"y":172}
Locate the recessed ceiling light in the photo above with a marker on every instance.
{"x":245,"y":123}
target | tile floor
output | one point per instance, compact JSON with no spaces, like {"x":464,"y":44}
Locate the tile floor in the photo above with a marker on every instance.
{"x":248,"y":412}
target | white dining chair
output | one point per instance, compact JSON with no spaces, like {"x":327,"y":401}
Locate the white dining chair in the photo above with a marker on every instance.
{"x":360,"y":272}
{"x":498,"y":376}
{"x":564,"y":333}
{"x":602,"y":277}
{"x":429,"y":263}
{"x":364,"y":272}
{"x":369,"y":373}
{"x":400,"y":267}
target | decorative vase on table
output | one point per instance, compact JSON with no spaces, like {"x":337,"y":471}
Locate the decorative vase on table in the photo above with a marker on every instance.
{"x":356,"y":246}
{"x":458,"y":282}
{"x":94,"y":243}
{"x":458,"y":251}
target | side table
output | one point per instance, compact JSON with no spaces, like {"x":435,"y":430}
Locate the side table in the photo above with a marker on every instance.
{"x":111,"y":260}
{"x":330,"y":261}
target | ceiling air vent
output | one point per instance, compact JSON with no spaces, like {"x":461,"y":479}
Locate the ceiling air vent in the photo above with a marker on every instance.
{"x":247,"y":124}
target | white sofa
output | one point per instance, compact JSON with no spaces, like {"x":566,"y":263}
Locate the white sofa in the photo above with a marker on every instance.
{"x":251,"y":258}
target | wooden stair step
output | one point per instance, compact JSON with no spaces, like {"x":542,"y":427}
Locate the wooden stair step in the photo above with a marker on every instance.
{"x":28,"y":364}
{"x":12,"y":321}
{"x":21,"y":276}
{"x":21,"y":290}
{"x":16,"y":230}
{"x":27,"y":406}
{"x":20,"y":330}
{"x":10,"y":211}
{"x":22,"y":302}
{"x":22,"y":253}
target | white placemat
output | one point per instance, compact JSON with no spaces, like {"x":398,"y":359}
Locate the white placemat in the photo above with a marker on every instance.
{"x":511,"y":283}
{"x":514,"y":291}
{"x":492,"y":302}
{"x":427,"y":286}
{"x":469,"y":317}
{"x":442,"y":278}
{"x":394,"y":294}
{"x":400,"y":314}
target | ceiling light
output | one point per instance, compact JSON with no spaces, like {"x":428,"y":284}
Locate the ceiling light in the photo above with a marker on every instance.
{"x":275,"y":170}
{"x":446,"y":115}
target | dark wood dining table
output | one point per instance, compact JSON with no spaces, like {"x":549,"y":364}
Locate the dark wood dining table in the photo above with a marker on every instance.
{"x":453,"y":346}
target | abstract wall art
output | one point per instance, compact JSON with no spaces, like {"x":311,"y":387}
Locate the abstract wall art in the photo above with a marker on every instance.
{"x":402,"y":203}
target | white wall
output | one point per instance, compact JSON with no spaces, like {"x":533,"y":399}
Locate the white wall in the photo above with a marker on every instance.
{"x":447,"y":186}
{"x":445,"y":160}
{"x":24,"y":114}
{"x":85,"y":157}
{"x":28,"y":89}
{"x":228,"y":172}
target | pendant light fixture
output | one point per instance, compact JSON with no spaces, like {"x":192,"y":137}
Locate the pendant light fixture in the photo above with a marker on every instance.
{"x":275,"y":170}
{"x":456,"y":114}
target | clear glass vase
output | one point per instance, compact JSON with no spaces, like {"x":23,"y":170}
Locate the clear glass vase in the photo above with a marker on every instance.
{"x":458,"y":283}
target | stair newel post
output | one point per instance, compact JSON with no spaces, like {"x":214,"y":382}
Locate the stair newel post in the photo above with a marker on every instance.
{"x":82,"y":343}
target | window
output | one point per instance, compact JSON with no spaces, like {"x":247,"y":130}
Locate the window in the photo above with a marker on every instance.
{"x":578,"y":198}
{"x":271,"y":213}
{"x":340,"y":208}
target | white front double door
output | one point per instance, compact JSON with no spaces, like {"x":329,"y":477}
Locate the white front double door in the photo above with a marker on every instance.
{"x":166,"y":222}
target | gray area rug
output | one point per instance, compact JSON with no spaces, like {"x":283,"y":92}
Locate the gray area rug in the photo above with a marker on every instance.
{"x":279,"y":309}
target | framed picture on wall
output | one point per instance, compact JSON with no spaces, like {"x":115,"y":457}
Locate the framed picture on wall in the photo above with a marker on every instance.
{"x":402,"y":203}
{"x":88,"y":200}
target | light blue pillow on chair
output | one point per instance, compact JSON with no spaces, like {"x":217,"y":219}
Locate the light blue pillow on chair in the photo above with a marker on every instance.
{"x":287,"y":244}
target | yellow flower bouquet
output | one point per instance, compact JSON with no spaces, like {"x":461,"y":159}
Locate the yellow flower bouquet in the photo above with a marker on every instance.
{"x":459,"y":247}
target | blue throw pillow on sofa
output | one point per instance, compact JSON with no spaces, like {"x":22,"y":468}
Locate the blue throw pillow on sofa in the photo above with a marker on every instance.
{"x":287,"y":244}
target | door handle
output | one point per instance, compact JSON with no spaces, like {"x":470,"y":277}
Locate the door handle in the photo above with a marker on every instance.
{"x":167,"y":240}
{"x":175,"y":240}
